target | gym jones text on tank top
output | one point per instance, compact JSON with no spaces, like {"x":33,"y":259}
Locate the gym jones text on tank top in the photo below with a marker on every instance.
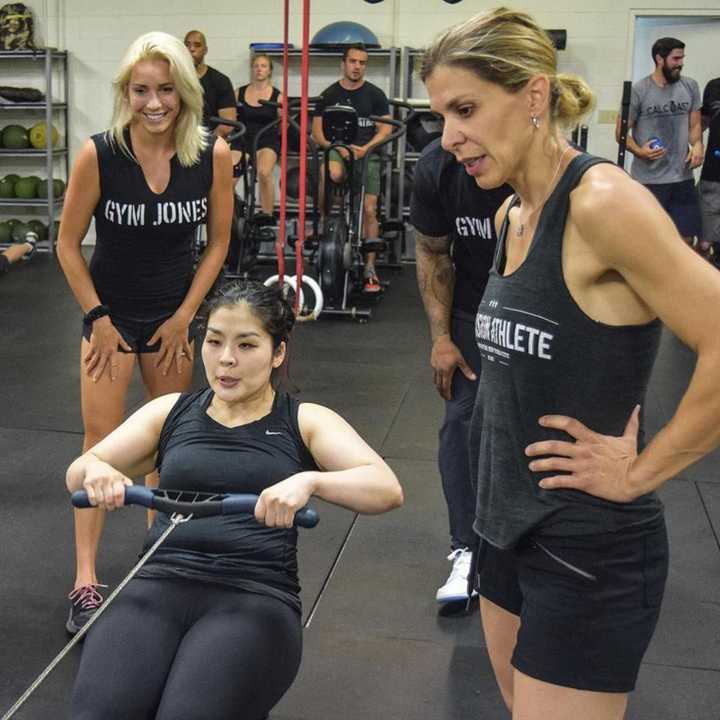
{"x":542,"y":355}
{"x":143,"y":262}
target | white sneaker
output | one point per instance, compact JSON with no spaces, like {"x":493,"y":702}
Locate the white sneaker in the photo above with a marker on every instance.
{"x":456,"y":586}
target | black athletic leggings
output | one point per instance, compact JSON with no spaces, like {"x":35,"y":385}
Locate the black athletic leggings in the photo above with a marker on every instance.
{"x":173,"y":649}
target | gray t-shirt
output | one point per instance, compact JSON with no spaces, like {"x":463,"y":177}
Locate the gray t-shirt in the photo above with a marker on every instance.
{"x":663,"y":113}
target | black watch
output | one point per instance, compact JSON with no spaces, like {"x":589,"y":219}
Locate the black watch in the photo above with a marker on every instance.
{"x":95,"y":314}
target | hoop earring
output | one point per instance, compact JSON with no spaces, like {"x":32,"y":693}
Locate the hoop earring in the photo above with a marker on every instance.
{"x":535,"y":121}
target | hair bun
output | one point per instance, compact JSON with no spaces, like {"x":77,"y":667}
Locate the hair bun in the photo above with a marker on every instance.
{"x":575,"y":99}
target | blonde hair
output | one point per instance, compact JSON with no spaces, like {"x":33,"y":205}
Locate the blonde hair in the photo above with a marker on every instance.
{"x":191,"y":138}
{"x":507,"y":48}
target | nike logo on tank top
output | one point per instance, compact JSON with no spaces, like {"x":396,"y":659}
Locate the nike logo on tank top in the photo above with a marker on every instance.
{"x":542,"y":355}
{"x":143,"y":262}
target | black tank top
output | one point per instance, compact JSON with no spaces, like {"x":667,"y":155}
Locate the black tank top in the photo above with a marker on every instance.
{"x":196,"y":453}
{"x":256,"y":118}
{"x":142,"y":264}
{"x":542,"y":355}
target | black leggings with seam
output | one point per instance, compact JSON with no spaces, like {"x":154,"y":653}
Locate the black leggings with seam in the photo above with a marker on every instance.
{"x":174,"y":649}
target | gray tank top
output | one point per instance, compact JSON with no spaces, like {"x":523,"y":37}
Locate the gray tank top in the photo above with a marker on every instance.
{"x":542,"y":355}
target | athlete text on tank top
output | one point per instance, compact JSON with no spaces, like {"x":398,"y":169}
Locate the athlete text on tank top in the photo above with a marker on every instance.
{"x":542,"y":355}
{"x":196,"y":453}
{"x":142,"y":264}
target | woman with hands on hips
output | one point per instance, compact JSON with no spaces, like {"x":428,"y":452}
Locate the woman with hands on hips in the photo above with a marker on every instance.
{"x":148,"y":182}
{"x":573,"y":547}
{"x":217,"y":606}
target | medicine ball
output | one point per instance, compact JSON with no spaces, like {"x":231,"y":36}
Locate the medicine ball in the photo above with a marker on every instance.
{"x":15,"y":137}
{"x":39,"y":228}
{"x":7,"y":188}
{"x":26,"y":188}
{"x":38,"y":135}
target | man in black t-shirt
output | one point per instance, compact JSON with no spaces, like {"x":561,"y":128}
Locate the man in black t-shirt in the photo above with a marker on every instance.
{"x":710,"y":178}
{"x":352,"y":89}
{"x":219,"y":96}
{"x":455,"y":240}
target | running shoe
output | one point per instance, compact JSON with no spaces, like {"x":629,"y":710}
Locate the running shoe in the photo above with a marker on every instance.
{"x":84,"y":602}
{"x":455,"y":588}
{"x":371,"y":284}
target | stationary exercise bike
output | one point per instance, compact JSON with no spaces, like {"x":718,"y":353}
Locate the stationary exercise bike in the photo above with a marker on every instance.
{"x":341,"y":250}
{"x":250,"y":228}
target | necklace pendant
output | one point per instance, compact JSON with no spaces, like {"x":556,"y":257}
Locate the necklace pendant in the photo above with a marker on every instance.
{"x":519,"y":232}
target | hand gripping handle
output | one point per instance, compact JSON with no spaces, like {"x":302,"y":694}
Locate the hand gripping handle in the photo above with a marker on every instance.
{"x":226,"y":505}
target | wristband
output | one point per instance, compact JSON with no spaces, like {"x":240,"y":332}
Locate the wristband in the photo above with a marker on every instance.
{"x":95,"y":314}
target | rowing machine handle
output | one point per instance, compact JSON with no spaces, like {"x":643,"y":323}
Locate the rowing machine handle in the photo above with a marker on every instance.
{"x":229,"y":505}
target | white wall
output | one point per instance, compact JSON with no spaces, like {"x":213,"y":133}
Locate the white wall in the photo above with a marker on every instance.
{"x":96,"y":32}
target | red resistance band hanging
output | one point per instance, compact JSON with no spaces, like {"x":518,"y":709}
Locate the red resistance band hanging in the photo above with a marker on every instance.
{"x":280,"y":242}
{"x":304,"y":74}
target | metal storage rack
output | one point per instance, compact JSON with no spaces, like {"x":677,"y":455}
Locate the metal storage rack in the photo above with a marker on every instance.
{"x":405,"y":156}
{"x":47,"y":60}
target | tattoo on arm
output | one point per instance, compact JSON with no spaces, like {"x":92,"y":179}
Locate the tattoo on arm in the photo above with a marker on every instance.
{"x":436,"y":280}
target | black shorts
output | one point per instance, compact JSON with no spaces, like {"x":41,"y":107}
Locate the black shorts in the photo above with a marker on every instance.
{"x":268,"y":140}
{"x":588,"y":605}
{"x":4,"y":264}
{"x":681,"y":202}
{"x":137,"y":332}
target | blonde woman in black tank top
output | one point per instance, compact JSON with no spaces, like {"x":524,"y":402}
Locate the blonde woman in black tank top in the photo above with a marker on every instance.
{"x":148,"y":181}
{"x":573,"y":550}
{"x":255,"y":116}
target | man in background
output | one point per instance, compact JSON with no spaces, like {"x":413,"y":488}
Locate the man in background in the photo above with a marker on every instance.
{"x":709,"y":186}
{"x":455,"y":241}
{"x":217,"y":88}
{"x":352,"y":89}
{"x":665,"y":136}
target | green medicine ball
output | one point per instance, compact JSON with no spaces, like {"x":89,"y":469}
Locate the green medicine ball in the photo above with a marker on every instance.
{"x":58,"y":188}
{"x":26,"y":188}
{"x":19,"y":231}
{"x":15,"y":137}
{"x":7,"y":188}
{"x":39,"y":228}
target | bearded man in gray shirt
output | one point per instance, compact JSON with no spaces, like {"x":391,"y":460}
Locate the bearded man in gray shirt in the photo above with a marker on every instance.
{"x":666,"y":136}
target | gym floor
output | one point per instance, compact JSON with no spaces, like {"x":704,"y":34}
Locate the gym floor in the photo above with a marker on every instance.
{"x":375,"y":646}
